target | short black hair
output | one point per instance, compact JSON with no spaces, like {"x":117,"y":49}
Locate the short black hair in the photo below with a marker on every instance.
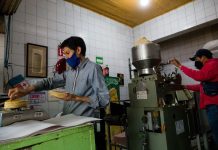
{"x":73,"y":42}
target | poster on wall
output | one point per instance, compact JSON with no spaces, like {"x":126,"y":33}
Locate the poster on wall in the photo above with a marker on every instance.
{"x":121,"y":78}
{"x":99,"y":60}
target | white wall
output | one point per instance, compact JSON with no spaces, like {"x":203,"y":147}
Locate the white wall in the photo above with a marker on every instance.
{"x":184,"y":46}
{"x":2,"y":40}
{"x":49,"y":22}
{"x":175,"y":22}
{"x":183,"y":18}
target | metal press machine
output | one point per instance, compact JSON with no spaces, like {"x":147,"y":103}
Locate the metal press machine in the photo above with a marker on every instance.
{"x":156,"y":119}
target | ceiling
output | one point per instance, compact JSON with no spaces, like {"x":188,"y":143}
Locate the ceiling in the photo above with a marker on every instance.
{"x":9,"y":7}
{"x":129,"y":12}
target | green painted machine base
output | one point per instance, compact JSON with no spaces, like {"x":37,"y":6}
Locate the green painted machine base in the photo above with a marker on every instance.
{"x":73,"y":138}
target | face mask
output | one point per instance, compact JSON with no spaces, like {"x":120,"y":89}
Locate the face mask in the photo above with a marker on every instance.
{"x":198,"y":64}
{"x":73,"y":61}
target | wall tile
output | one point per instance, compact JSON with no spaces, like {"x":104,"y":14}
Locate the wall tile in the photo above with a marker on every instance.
{"x":30,"y":29}
{"x":52,"y":43}
{"x":52,"y":6}
{"x":31,"y":9}
{"x":18,"y":48}
{"x":18,"y":59}
{"x":54,"y":1}
{"x":52,"y":34}
{"x":42,"y":22}
{"x":41,"y":31}
{"x":60,"y":36}
{"x":2,"y":39}
{"x":29,"y":38}
{"x":52,"y":25}
{"x":19,"y":16}
{"x":42,"y":13}
{"x":52,"y":15}
{"x":30,"y":19}
{"x":60,"y":27}
{"x":18,"y":26}
{"x":41,"y":40}
{"x":31,"y":2}
{"x":43,"y":4}
{"x":18,"y":37}
{"x":210,"y":18}
{"x":52,"y":53}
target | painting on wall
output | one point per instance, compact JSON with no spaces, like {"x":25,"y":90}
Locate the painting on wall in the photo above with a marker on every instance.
{"x":121,"y":78}
{"x":36,"y":61}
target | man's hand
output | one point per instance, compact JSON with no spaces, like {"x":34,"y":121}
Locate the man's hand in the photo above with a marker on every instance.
{"x":73,"y":97}
{"x":70,"y":97}
{"x":19,"y":92}
{"x":175,"y":62}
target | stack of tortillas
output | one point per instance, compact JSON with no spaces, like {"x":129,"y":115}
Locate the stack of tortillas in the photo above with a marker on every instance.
{"x":17,"y":103}
{"x":57,"y":94}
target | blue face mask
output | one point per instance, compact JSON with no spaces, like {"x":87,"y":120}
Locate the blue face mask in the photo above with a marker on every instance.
{"x":73,"y":61}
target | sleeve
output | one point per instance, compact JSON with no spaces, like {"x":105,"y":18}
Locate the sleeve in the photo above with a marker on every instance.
{"x":51,"y":83}
{"x":205,"y":74}
{"x":194,"y":87}
{"x":100,"y":95}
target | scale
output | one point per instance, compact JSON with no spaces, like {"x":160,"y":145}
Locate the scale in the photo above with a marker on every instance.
{"x":12,"y":115}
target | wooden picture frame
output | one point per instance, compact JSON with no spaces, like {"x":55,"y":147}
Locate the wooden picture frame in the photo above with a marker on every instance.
{"x":121,"y":79}
{"x":36,"y":61}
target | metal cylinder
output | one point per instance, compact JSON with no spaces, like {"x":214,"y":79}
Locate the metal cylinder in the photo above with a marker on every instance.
{"x":145,"y":57}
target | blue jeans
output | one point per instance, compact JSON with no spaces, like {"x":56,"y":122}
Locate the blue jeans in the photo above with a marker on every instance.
{"x":212,"y":114}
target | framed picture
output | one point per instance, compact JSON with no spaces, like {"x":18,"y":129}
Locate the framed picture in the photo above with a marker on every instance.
{"x":36,"y":61}
{"x":121,"y":78}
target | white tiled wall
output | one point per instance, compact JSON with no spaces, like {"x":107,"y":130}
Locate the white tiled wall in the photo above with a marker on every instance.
{"x":175,"y":21}
{"x":49,"y":22}
{"x":2,"y":40}
{"x":183,"y":47}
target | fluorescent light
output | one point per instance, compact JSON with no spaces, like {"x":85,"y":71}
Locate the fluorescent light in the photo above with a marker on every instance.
{"x":144,"y":3}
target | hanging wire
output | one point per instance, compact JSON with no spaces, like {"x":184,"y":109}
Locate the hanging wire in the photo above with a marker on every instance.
{"x":7,"y":42}
{"x":7,"y":48}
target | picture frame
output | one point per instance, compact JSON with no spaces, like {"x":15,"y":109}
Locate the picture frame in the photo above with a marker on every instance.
{"x":36,"y":61}
{"x":121,"y":79}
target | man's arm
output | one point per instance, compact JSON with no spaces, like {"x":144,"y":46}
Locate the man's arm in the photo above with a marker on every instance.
{"x":45,"y":84}
{"x":205,"y":74}
{"x":208,"y":72}
{"x":194,"y":87}
{"x":73,"y":97}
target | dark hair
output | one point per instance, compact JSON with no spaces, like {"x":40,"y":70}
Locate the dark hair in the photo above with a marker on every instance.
{"x":73,"y":42}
